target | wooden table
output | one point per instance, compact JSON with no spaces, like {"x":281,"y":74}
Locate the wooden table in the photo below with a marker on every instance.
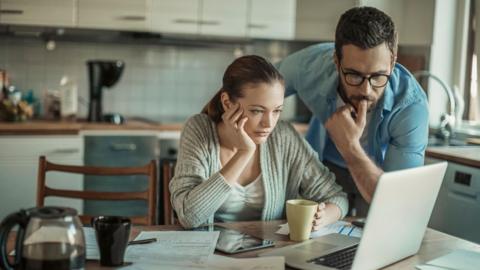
{"x":434,"y":243}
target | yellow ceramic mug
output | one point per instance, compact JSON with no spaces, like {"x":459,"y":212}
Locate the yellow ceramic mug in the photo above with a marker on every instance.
{"x":300,"y":217}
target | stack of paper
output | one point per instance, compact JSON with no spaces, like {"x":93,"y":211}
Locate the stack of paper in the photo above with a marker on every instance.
{"x":457,"y":260}
{"x":182,"y":250}
{"x":91,"y":244}
{"x":175,"y":248}
{"x":341,"y":227}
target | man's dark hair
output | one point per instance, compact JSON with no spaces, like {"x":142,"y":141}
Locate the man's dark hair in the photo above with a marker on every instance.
{"x":365,"y":27}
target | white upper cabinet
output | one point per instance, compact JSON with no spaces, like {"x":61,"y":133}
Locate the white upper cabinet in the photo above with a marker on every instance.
{"x":271,"y":19}
{"x":317,"y":19}
{"x":173,"y":16}
{"x":39,"y":12}
{"x":112,"y":14}
{"x":223,"y":18}
{"x":413,"y":19}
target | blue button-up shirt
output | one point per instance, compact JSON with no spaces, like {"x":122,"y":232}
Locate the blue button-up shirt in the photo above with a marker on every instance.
{"x":398,"y":128}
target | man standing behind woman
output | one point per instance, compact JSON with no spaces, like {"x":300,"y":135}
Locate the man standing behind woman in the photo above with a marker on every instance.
{"x":237,"y":162}
{"x":369,"y":113}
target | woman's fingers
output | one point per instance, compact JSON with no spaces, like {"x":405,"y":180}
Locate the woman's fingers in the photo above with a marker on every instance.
{"x":241,"y":123}
{"x":320,"y":210}
{"x":318,"y":220}
{"x":227,"y":115}
{"x":234,"y":120}
{"x":321,"y":206}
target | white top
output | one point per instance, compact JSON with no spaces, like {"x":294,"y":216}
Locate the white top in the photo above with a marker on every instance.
{"x":243,"y":203}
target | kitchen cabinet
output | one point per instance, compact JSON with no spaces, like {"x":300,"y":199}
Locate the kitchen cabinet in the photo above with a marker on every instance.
{"x":316,"y":20}
{"x":205,"y":17}
{"x":414,"y":19}
{"x":112,"y":14}
{"x":39,"y":12}
{"x":174,"y":16}
{"x":271,"y":19}
{"x":224,"y":18}
{"x":19,"y":166}
{"x":457,"y":208}
{"x":118,"y":151}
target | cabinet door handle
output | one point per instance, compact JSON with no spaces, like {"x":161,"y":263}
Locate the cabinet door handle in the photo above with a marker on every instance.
{"x":131,"y":18}
{"x":209,"y":22}
{"x":123,"y":146}
{"x":12,"y":11}
{"x":257,"y":26}
{"x":64,"y":151}
{"x":465,"y":196}
{"x":185,"y":21}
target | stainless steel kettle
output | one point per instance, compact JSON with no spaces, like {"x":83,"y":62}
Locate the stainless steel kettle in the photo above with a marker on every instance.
{"x":47,"y":238}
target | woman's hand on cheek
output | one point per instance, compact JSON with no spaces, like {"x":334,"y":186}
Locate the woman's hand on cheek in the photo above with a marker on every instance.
{"x":235,"y":120}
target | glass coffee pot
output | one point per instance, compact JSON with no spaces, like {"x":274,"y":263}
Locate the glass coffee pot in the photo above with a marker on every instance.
{"x":47,"y":238}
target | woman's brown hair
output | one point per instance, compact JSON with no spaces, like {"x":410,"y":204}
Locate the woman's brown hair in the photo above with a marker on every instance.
{"x":249,"y":69}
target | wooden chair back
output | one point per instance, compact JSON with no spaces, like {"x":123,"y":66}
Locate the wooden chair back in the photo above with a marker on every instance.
{"x":168,"y":170}
{"x":148,"y":195}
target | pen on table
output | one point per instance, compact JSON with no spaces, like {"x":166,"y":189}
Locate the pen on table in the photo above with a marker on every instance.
{"x":358,"y":223}
{"x":143,"y":241}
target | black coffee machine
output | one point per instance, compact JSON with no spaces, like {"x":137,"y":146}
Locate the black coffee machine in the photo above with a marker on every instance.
{"x":101,"y":73}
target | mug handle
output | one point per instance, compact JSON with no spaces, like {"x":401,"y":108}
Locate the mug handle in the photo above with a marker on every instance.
{"x":19,"y":218}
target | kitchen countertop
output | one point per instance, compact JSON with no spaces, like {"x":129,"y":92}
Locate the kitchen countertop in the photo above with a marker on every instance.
{"x":42,"y":127}
{"x":465,"y":155}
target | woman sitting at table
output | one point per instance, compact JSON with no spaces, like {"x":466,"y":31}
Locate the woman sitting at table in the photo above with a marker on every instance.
{"x":237,"y":162}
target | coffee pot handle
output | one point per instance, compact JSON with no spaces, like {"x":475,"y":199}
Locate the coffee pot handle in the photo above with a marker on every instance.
{"x":18,"y":218}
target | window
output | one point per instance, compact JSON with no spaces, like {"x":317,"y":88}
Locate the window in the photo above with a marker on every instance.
{"x":472,"y":95}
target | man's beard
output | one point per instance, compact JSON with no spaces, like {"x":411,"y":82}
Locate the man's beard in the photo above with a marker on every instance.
{"x":343,"y":95}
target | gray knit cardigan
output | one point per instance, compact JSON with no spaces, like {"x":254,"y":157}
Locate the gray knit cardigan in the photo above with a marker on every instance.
{"x":290,"y":169}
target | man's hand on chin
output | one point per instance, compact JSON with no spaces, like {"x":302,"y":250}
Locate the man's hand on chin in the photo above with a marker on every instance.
{"x":346,"y":126}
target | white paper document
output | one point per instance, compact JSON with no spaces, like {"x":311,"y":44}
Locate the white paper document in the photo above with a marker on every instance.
{"x":173,"y":248}
{"x":457,"y":260}
{"x":91,"y":246}
{"x":340,"y":227}
{"x":181,"y":250}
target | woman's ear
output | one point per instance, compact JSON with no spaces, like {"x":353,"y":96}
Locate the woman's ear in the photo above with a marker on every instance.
{"x":225,"y":99}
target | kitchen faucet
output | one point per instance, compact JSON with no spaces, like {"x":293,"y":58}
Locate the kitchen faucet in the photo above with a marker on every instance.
{"x":447,"y":120}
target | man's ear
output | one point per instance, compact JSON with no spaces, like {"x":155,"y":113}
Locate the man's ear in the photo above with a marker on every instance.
{"x":394,"y":60}
{"x":225,"y":99}
{"x":335,"y":60}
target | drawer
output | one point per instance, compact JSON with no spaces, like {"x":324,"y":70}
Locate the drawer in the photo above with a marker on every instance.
{"x":29,"y":148}
{"x":120,"y":150}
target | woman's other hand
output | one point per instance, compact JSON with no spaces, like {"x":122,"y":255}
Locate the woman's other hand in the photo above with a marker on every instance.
{"x":326,"y":214}
{"x":234,"y":119}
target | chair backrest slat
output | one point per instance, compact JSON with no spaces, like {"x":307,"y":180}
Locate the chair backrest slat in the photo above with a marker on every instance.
{"x":96,"y":195}
{"x":91,"y":170}
{"x":168,"y":169}
{"x":148,"y":195}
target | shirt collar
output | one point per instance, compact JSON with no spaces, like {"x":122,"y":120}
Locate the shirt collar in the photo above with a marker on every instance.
{"x":388,"y":97}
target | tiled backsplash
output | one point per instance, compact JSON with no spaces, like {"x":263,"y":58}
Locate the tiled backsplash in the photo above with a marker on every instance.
{"x":159,"y":81}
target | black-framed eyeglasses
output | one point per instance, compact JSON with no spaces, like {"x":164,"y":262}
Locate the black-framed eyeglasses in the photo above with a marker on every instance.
{"x":356,"y":79}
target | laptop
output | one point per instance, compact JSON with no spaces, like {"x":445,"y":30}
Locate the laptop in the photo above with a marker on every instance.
{"x":394,"y":228}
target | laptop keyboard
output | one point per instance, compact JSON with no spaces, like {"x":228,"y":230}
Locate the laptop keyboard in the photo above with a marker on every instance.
{"x":341,"y":259}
